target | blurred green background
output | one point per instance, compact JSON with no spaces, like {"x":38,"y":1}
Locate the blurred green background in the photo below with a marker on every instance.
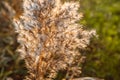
{"x":103,"y":55}
{"x":103,"y":58}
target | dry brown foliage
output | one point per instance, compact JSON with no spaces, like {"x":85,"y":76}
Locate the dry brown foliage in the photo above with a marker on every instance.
{"x":51,"y":38}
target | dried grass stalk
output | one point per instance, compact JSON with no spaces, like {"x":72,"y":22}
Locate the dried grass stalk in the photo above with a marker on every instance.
{"x":51,"y":38}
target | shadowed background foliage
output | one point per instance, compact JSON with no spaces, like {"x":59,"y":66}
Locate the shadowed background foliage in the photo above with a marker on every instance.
{"x":103,"y":55}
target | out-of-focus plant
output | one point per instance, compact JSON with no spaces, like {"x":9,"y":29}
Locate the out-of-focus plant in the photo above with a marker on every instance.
{"x":104,"y":60}
{"x":11,"y":67}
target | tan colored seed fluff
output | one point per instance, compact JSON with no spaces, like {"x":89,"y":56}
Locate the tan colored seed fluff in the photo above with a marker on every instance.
{"x":51,"y":38}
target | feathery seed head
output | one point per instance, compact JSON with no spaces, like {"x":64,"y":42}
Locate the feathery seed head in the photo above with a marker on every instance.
{"x":49,"y":37}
